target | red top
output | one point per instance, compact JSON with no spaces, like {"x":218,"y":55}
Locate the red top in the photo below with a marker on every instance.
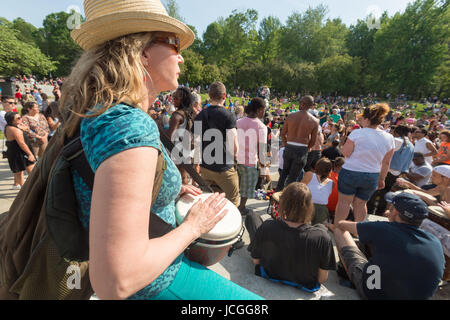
{"x":334,"y":196}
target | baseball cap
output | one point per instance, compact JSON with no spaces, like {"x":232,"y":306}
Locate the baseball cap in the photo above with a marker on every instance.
{"x":410,"y":207}
{"x":443,"y":170}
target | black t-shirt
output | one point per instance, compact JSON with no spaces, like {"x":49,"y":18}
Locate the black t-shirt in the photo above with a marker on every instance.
{"x":293,"y":254}
{"x":216,"y":117}
{"x":410,"y":260}
{"x":332,"y":153}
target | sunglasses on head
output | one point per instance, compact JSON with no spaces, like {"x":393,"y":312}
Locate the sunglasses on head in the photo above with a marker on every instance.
{"x":170,"y":40}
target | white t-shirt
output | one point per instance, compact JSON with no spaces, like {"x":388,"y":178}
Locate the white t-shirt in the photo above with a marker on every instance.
{"x":371,"y":146}
{"x":2,"y":121}
{"x":425,"y":171}
{"x":421,"y":146}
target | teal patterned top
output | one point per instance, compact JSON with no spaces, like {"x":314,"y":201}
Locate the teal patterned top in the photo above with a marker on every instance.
{"x":121,"y":128}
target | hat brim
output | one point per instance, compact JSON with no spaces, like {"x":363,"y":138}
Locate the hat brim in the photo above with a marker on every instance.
{"x":109,"y":27}
{"x":389,"y":197}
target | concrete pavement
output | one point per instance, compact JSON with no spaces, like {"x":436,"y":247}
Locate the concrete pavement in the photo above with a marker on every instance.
{"x":239,"y":267}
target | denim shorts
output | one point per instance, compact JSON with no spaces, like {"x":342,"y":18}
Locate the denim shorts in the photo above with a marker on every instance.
{"x":359,"y":184}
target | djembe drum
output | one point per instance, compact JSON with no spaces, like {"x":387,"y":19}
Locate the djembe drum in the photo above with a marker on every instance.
{"x":210,"y":248}
{"x":438,"y":216}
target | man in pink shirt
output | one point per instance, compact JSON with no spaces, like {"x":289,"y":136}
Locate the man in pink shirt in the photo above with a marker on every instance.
{"x":252,"y":140}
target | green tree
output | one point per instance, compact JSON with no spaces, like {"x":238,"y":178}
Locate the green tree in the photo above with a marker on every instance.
{"x":192,"y":68}
{"x":211,"y":73}
{"x":18,"y":57}
{"x":55,"y":37}
{"x":26,"y":31}
{"x":268,"y":39}
{"x":409,"y":48}
{"x":339,"y":74}
{"x":173,"y":9}
{"x":299,"y":38}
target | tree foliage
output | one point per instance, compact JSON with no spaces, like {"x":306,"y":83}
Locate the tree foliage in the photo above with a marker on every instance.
{"x":19,"y":57}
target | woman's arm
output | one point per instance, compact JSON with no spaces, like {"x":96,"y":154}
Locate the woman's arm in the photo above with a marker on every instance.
{"x":348,"y":148}
{"x":385,"y":168}
{"x":122,"y":258}
{"x":432,"y":149}
{"x":18,"y":136}
{"x":53,"y":126}
{"x":307,"y":178}
{"x":175,"y":121}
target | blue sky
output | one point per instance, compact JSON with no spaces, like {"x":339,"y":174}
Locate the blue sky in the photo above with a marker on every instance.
{"x":200,"y":13}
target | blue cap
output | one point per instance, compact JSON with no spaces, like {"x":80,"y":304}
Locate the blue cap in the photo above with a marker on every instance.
{"x":410,"y":207}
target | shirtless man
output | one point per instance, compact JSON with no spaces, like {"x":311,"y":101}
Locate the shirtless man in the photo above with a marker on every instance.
{"x":299,"y":136}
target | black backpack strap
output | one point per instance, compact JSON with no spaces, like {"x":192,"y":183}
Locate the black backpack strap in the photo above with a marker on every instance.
{"x":73,"y":153}
{"x":168,"y":144}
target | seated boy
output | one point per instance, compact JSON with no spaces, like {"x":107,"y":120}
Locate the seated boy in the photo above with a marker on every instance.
{"x":291,"y":250}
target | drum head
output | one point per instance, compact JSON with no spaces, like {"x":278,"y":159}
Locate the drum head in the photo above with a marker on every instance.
{"x":438,"y":211}
{"x":228,"y":228}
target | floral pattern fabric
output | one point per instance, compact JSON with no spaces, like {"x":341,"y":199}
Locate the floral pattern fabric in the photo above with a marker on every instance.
{"x":121,"y":128}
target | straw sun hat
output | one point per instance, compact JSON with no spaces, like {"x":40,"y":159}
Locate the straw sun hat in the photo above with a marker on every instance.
{"x":110,"y":19}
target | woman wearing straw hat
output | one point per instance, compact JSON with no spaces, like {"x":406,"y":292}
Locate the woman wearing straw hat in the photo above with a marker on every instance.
{"x":132,"y":53}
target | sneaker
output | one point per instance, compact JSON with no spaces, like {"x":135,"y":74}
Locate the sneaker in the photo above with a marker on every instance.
{"x":16,"y":187}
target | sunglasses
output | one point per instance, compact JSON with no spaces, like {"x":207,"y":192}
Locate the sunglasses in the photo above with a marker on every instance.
{"x":9,"y":102}
{"x":171,"y":41}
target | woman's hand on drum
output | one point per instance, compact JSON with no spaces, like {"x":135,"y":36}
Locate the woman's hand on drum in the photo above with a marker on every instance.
{"x":204,"y":215}
{"x":190,"y":190}
{"x":446,"y":206}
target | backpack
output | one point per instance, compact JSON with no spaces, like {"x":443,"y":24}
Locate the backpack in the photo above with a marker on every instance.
{"x":44,"y":249}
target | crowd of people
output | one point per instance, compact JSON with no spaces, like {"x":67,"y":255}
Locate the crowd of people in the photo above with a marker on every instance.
{"x":345,"y":160}
{"x":341,"y":158}
{"x":27,"y":132}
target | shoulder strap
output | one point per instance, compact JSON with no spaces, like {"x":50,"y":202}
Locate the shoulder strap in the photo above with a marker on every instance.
{"x":73,"y":152}
{"x":189,"y":168}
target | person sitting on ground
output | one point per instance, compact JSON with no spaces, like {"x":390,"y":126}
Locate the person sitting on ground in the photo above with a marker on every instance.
{"x":406,"y":262}
{"x":291,"y":249}
{"x":440,"y":178}
{"x":420,"y":172}
{"x":321,"y":187}
{"x":333,"y":151}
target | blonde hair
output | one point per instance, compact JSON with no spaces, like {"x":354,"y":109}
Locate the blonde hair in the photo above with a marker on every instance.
{"x":105,"y":75}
